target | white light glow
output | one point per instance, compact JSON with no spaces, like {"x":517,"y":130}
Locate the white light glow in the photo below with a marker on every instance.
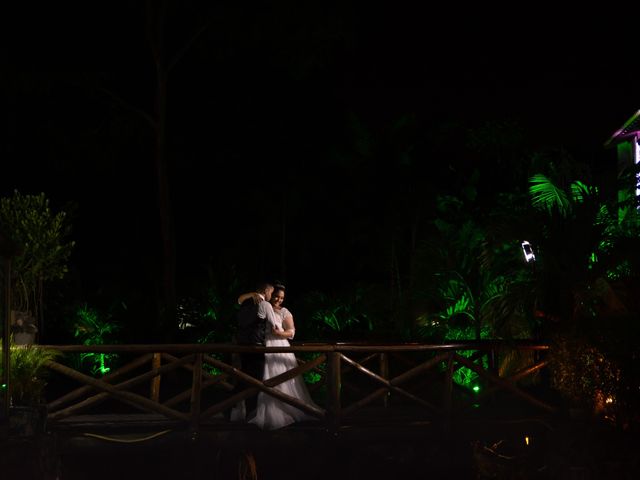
{"x":529,"y":256}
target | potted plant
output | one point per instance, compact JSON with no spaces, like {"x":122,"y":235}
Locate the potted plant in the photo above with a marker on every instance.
{"x":27,"y":380}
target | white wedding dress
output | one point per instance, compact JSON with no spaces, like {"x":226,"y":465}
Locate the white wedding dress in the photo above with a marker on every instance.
{"x":272,"y":413}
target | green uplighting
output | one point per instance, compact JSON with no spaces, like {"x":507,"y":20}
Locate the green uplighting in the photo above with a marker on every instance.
{"x":476,"y":388}
{"x":3,"y":386}
{"x":464,"y":376}
{"x":619,"y":271}
{"x":312,"y":377}
{"x":103,"y":368}
{"x":93,"y":328}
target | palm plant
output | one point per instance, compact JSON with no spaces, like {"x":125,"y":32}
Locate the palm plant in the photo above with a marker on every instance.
{"x":340,"y":317}
{"x":28,"y":373}
{"x":573,"y":222}
{"x":588,"y":269}
{"x":467,"y":276}
{"x":93,"y":328}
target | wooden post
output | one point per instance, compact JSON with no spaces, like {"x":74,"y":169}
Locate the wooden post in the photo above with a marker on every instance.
{"x":333,"y":391}
{"x":448,"y":393}
{"x":384,"y":373}
{"x":155,"y":381}
{"x":493,"y":368}
{"x":5,"y":383}
{"x":196,"y":390}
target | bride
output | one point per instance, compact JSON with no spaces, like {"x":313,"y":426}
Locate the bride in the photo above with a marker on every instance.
{"x":272,"y":413}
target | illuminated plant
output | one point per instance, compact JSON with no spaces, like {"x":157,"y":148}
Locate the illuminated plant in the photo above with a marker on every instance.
{"x":334,"y":316}
{"x":91,"y":328}
{"x":28,"y":373}
{"x":464,"y":376}
{"x":472,"y":269}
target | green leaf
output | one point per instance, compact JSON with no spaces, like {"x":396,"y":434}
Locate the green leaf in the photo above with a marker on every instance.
{"x":547,"y":196}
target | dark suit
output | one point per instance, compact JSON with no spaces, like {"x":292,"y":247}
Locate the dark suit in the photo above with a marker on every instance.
{"x":251,"y":331}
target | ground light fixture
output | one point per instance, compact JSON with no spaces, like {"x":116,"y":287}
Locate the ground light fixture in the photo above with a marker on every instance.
{"x":527,"y":249}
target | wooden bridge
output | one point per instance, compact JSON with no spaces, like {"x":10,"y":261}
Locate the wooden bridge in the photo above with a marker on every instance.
{"x":194,"y":386}
{"x":378,"y":411}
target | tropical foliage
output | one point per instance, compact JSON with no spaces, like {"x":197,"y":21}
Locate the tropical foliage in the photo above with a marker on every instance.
{"x":471,"y":281}
{"x":94,"y":328}
{"x":347,"y":316}
{"x":28,"y":373}
{"x":470,"y":274}
{"x":587,"y":270}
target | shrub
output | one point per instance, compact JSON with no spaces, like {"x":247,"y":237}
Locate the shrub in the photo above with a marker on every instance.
{"x":582,"y":373}
{"x":28,"y":373}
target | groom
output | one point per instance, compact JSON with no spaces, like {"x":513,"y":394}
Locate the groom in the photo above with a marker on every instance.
{"x":252,"y":321}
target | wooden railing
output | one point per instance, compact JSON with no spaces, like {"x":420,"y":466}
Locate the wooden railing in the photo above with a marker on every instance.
{"x":349,"y":377}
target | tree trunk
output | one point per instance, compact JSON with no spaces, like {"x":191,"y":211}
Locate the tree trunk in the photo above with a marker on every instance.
{"x":166,"y":296}
{"x":283,"y":240}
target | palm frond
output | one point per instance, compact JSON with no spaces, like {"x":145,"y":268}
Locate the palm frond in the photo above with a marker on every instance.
{"x":547,"y":196}
{"x":579,"y":191}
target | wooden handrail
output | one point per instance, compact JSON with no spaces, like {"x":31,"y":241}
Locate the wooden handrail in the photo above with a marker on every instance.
{"x":306,"y":347}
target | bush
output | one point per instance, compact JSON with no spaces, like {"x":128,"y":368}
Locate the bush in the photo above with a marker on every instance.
{"x":28,"y":373}
{"x":582,"y":373}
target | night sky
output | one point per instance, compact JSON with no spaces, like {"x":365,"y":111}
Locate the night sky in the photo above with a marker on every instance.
{"x":315,"y":114}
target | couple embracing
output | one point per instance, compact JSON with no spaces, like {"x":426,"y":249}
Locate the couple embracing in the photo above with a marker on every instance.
{"x":263,"y":321}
